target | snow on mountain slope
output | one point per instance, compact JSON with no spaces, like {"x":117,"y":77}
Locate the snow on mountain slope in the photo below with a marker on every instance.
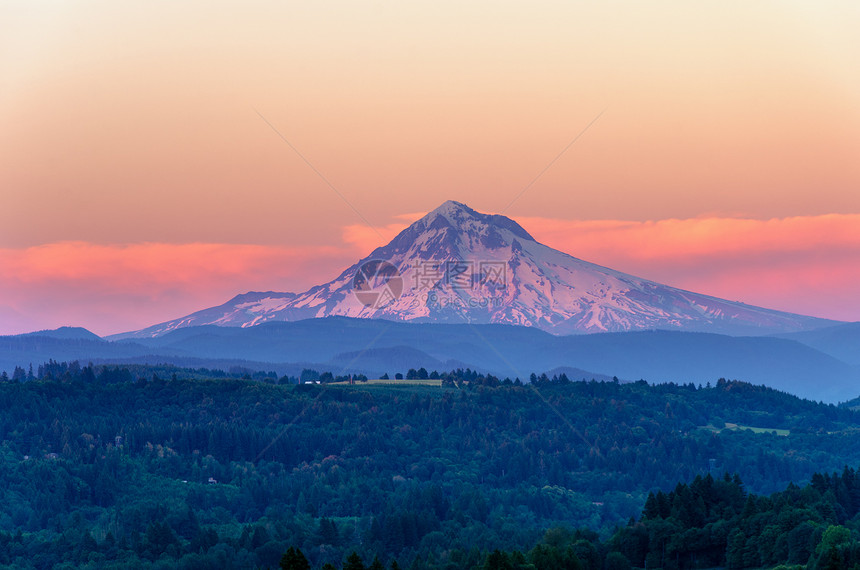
{"x":458,"y":265}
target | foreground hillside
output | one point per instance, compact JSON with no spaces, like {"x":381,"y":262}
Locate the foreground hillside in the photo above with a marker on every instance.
{"x":103,"y":466}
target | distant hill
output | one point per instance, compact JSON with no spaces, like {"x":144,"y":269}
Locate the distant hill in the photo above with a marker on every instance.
{"x":391,"y":360}
{"x":840,"y":341}
{"x":575,"y":374}
{"x":79,"y":333}
{"x":36,"y":348}
{"x":374,"y":346}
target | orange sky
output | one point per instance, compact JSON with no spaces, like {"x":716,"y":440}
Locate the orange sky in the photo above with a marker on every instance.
{"x":139,"y":183}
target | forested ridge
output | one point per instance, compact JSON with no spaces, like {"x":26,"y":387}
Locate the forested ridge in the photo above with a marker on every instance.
{"x":117,"y":467}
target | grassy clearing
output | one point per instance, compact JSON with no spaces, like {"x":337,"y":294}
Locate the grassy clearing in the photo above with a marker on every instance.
{"x":382,"y":382}
{"x":739,"y":427}
{"x":782,"y":432}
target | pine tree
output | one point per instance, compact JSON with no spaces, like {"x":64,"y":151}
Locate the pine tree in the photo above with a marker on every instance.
{"x":293,"y":559}
{"x":260,"y":537}
{"x":651,"y":510}
{"x":497,"y":561}
{"x":735,"y":549}
{"x":617,"y":561}
{"x":354,"y":562}
{"x":327,"y":532}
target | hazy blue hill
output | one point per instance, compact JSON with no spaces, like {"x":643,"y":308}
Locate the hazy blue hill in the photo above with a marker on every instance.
{"x":517,"y":351}
{"x":35,"y":349}
{"x":376,"y":346}
{"x":391,"y":360}
{"x":699,"y":357}
{"x":840,"y":341}
{"x":79,"y":333}
{"x":320,"y":340}
{"x":577,"y":374}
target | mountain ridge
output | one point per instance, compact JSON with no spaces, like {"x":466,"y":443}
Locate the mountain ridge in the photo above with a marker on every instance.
{"x":66,"y":332}
{"x":459,"y":265}
{"x":374,"y":346}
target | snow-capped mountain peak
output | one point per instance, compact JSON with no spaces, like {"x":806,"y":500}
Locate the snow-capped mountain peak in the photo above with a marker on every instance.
{"x":459,"y":265}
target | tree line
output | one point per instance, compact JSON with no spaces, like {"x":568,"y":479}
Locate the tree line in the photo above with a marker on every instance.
{"x":118,"y":466}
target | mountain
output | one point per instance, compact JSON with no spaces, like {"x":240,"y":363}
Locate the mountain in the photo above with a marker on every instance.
{"x":71,"y":333}
{"x":456,"y":265}
{"x":374,"y":346}
{"x":70,"y":344}
{"x":841,"y":341}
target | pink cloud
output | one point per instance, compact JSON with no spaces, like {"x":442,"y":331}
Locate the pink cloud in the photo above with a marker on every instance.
{"x":805,"y":264}
{"x":673,"y":238}
{"x":111,"y":288}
